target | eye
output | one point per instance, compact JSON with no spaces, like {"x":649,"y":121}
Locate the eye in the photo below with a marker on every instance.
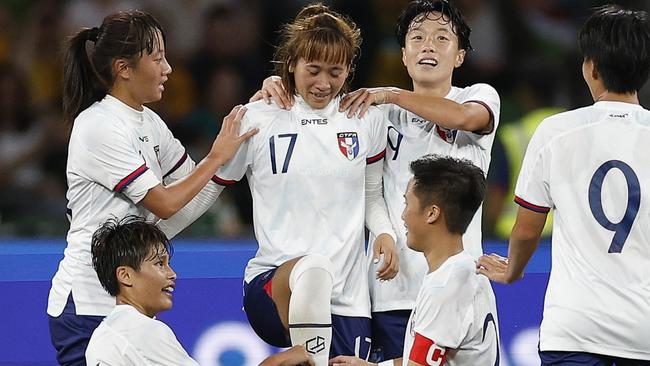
{"x":160,"y":263}
{"x":416,"y":37}
{"x":158,"y":60}
{"x":443,"y":38}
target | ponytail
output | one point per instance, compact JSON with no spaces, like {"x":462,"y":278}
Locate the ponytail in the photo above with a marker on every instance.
{"x":82,"y":85}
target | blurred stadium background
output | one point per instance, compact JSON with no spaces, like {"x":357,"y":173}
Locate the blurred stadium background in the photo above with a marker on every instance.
{"x":220,"y":51}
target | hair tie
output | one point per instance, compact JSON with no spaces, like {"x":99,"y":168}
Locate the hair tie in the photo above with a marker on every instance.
{"x":93,"y":34}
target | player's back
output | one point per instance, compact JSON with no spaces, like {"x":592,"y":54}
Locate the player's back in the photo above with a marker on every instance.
{"x":595,"y":162}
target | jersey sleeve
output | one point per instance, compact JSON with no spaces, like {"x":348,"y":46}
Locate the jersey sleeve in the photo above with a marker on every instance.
{"x":533,"y":184}
{"x":174,"y":160}
{"x":488,"y":97}
{"x":377,"y":122}
{"x":108,"y":157}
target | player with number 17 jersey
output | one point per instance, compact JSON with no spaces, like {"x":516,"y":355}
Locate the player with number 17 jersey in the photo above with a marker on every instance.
{"x":593,"y":166}
{"x":306,"y":170}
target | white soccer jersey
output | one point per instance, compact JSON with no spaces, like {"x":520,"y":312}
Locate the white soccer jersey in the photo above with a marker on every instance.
{"x":306,"y":171}
{"x":593,"y":166}
{"x":128,"y":337}
{"x":454,"y":318}
{"x":410,"y":137}
{"x":115,"y":155}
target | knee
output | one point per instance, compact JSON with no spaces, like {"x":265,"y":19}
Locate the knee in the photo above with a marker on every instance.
{"x":312,"y":263}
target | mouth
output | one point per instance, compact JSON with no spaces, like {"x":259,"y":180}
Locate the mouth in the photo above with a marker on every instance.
{"x":168,"y":289}
{"x":161,"y":86}
{"x":432,"y":62}
{"x":320,"y":96}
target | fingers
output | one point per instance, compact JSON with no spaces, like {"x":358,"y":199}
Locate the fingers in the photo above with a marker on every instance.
{"x":340,"y":360}
{"x":257,"y":96}
{"x":390,"y":268}
{"x":366,"y":106}
{"x":356,"y":105}
{"x":250,"y":133}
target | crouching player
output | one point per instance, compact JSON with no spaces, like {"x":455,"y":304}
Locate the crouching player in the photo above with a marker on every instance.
{"x":454,"y":319}
{"x":131,"y":258}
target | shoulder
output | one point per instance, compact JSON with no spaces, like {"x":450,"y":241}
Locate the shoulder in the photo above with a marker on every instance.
{"x":259,"y":114}
{"x":476,"y":91}
{"x":97,"y":123}
{"x":559,"y":123}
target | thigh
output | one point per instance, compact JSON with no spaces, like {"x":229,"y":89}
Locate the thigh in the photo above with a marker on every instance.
{"x":70,"y":334}
{"x":351,"y":336}
{"x":261,"y":311}
{"x":388,"y":329}
{"x":561,"y":358}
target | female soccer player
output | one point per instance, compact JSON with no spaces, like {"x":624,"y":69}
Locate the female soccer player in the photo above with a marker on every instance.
{"x":122,"y":159}
{"x":312,"y":173}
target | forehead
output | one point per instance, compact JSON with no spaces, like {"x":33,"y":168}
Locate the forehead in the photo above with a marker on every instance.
{"x":321,"y":64}
{"x":431,"y":21}
{"x":156,"y":252}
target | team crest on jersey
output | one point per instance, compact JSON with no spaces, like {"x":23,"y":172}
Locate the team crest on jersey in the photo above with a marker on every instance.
{"x":447,"y":134}
{"x":348,"y":144}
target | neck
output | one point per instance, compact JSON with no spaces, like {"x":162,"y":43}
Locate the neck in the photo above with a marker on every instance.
{"x":442,"y":246}
{"x":608,"y":96}
{"x":123,"y":299}
{"x":432,"y":89}
{"x":125,"y":97}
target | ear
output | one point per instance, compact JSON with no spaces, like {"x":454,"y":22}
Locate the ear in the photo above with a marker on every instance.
{"x":292,"y":66}
{"x":460,"y":58}
{"x":124,"y":276}
{"x":594,"y":70}
{"x":403,"y":56}
{"x":121,"y":69}
{"x":433,"y":214}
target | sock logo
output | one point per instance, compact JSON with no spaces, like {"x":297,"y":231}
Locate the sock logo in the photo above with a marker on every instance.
{"x":315,"y":345}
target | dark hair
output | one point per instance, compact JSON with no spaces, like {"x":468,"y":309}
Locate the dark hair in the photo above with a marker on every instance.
{"x":419,"y":10}
{"x":127,"y":242}
{"x":618,"y":43}
{"x":87,"y":78}
{"x":317,"y":33}
{"x":455,"y":185}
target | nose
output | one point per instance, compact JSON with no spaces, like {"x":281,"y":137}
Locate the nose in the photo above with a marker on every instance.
{"x":170,"y":273}
{"x":428,"y":45}
{"x":168,"y":68}
{"x":322,"y":82}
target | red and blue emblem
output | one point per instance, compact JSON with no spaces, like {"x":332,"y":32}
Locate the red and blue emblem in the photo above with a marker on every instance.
{"x":348,"y":144}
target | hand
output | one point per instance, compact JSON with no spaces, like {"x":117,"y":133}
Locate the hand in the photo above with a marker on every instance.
{"x":384,"y":244}
{"x":494,"y":267}
{"x":296,"y":355}
{"x":349,"y":360}
{"x":228,"y":140}
{"x":361,"y":100}
{"x":272,"y":89}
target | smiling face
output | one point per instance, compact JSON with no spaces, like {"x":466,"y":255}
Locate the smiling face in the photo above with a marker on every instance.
{"x":318,"y":82}
{"x":431,"y":51}
{"x":147,"y":76}
{"x":153,"y":285}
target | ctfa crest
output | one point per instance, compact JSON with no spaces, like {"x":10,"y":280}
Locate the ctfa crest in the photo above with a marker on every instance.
{"x":348,"y":144}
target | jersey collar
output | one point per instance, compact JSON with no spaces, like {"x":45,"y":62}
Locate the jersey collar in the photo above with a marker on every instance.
{"x":618,"y":105}
{"x":123,"y":109}
{"x":302,"y":107}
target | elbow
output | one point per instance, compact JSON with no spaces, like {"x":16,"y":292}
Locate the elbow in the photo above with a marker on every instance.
{"x":166,"y":210}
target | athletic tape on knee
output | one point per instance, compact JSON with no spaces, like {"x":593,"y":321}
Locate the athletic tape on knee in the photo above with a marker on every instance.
{"x":310,"y":318}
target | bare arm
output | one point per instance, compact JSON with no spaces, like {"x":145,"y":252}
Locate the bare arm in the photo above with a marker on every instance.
{"x":523,"y":242}
{"x":296,"y":355}
{"x":164,"y":201}
{"x":470,"y":116}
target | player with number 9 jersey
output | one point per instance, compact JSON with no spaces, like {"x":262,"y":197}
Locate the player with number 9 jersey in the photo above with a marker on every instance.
{"x":577,"y":163}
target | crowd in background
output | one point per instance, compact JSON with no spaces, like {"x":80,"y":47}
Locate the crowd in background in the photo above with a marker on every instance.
{"x":221,"y":50}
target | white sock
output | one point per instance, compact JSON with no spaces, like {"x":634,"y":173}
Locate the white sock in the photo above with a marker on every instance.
{"x":310,"y":315}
